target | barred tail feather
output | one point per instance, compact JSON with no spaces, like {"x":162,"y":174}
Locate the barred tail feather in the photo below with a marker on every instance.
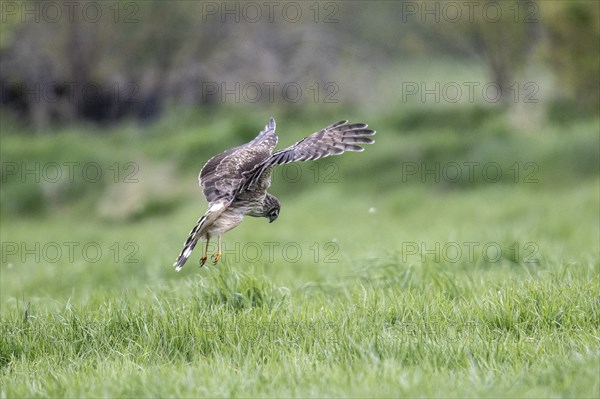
{"x":199,"y":230}
{"x":190,"y":243}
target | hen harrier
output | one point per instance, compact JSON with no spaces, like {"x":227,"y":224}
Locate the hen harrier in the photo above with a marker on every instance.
{"x":235,"y":182}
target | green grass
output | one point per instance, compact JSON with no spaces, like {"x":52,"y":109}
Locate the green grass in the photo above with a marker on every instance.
{"x":356,"y":290}
{"x":385,"y":332}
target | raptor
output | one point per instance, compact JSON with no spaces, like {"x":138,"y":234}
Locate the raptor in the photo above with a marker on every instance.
{"x":235,"y":182}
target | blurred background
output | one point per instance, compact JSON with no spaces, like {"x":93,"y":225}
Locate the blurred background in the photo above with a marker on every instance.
{"x":486,"y":112}
{"x":106,"y":63}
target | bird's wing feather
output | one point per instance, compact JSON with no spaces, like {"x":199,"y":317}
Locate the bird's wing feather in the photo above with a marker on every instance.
{"x":332,"y":140}
{"x":223,"y":174}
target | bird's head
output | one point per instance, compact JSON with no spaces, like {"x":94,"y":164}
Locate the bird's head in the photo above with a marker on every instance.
{"x":272,"y":207}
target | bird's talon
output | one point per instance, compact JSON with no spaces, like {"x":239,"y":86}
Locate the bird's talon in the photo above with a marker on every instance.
{"x":216,"y":258}
{"x":202,"y":261}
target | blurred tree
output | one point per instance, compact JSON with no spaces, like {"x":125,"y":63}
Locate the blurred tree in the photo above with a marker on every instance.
{"x":139,"y":55}
{"x":10,"y":22}
{"x":573,"y":49}
{"x":127,"y":58}
{"x":501,"y":33}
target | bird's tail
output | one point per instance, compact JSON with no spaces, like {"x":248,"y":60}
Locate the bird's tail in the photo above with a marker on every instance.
{"x":199,"y":230}
{"x":190,"y":243}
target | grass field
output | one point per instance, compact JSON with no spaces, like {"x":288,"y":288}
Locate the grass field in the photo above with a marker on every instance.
{"x":395,"y":272}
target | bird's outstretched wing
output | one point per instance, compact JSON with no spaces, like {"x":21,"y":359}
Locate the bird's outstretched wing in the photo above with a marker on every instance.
{"x":332,"y":140}
{"x":223,"y":174}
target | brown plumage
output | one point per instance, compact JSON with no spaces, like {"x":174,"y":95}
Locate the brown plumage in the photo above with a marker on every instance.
{"x":235,"y":182}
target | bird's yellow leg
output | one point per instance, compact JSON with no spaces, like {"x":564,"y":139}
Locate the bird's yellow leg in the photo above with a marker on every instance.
{"x":217,"y":257}
{"x":205,"y":256}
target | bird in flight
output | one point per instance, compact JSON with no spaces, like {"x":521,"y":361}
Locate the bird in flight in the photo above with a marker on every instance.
{"x":235,"y":182}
